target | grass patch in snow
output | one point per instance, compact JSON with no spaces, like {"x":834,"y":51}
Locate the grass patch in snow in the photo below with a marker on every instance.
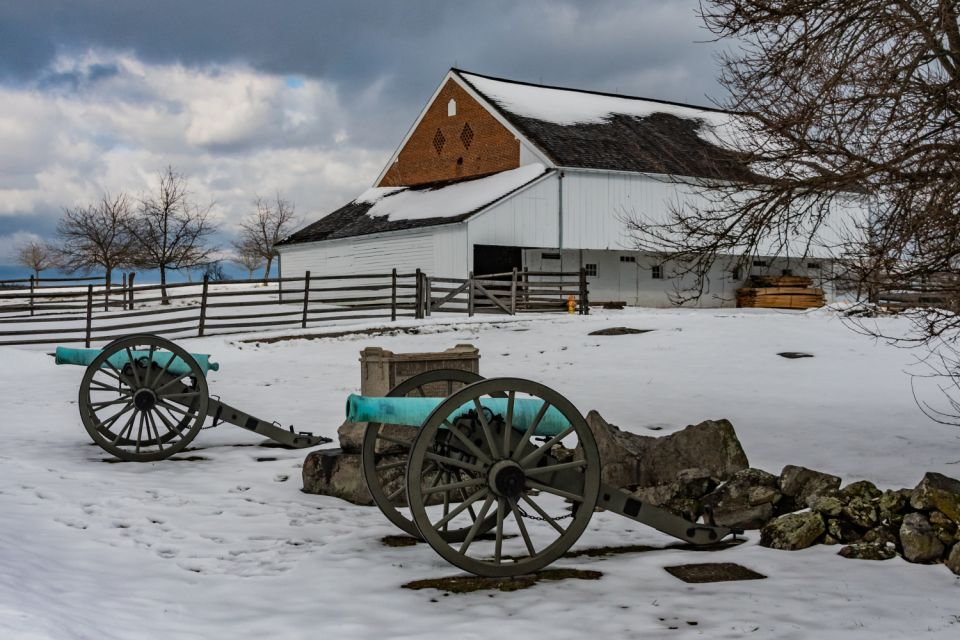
{"x":468,"y":584}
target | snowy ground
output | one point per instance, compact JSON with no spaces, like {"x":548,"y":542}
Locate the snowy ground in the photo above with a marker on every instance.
{"x":229,"y":546}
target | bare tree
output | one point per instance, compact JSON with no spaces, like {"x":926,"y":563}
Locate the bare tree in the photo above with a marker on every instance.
{"x":265,"y":227}
{"x":833,"y":101}
{"x":169,"y":231}
{"x":248,"y":257}
{"x":37,"y":256}
{"x":96,"y":236}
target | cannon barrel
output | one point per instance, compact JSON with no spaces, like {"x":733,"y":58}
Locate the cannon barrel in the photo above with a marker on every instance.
{"x":413,"y":412}
{"x":84,"y":357}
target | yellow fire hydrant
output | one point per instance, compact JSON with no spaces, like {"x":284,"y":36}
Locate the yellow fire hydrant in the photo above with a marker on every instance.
{"x":571,"y":305}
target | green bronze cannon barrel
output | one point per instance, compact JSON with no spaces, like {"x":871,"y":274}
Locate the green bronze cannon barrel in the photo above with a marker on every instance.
{"x":412,"y":411}
{"x":177,"y":367}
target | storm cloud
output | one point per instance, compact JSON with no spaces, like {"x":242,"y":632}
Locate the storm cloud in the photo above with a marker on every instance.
{"x":303,"y":96}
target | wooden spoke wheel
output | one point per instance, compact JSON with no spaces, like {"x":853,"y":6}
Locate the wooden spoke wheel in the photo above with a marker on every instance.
{"x":386,"y":448}
{"x":134,"y":407}
{"x":540,"y":489}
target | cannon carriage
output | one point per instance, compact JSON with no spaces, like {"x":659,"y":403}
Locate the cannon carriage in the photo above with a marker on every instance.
{"x":499,"y":476}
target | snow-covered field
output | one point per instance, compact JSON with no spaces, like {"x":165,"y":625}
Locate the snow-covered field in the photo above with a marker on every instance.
{"x":228,"y":546}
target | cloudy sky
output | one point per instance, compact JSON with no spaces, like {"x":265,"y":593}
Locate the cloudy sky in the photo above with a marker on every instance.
{"x":308,"y":97}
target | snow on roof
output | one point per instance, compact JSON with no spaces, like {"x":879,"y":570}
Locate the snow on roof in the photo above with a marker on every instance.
{"x":572,"y":106}
{"x":404,"y":203}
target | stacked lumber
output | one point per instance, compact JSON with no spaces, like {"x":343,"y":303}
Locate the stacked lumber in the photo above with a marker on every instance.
{"x":780,"y":292}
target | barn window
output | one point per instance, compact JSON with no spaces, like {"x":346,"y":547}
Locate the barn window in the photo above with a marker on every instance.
{"x":590,"y":269}
{"x":628,"y":258}
{"x":759,"y":263}
{"x":656,"y":272}
{"x":452,"y":107}
{"x":466,"y":136}
{"x":813,"y":265}
{"x":549,"y":256}
{"x":438,"y":141}
{"x":735,"y":274}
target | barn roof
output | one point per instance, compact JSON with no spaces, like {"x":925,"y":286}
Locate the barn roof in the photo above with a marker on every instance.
{"x":588,"y":129}
{"x":393,"y":208}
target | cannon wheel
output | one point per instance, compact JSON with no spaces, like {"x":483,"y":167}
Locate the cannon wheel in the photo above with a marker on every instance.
{"x":508,"y":473}
{"x":378,"y":469}
{"x":141,"y":413}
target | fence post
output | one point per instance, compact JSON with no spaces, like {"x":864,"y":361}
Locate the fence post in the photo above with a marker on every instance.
{"x":306,"y":298}
{"x":89,"y":314}
{"x":427,"y":294}
{"x":513,"y":292}
{"x":584,"y":301}
{"x":31,"y":295}
{"x":470,"y":293}
{"x":130,"y":288}
{"x":526,"y":286}
{"x":203,"y":305}
{"x":418,"y":301}
{"x":393,"y":295}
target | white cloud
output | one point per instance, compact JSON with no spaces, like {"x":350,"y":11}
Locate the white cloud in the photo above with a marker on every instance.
{"x":234,"y":131}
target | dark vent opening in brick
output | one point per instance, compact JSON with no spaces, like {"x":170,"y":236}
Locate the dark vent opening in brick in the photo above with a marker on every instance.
{"x":438,"y":141}
{"x":466,"y":136}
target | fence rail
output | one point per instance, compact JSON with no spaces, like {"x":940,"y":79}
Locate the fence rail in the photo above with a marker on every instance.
{"x":95,"y":313}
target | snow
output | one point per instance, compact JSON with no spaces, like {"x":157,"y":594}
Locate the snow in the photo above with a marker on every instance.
{"x":228,"y":545}
{"x":402,"y":203}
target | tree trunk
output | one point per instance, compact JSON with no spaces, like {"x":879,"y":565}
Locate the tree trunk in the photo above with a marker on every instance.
{"x":106,"y":294}
{"x":266,"y":272}
{"x":163,"y":285}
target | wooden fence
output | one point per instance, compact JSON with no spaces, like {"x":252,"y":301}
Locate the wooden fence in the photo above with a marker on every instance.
{"x":513,"y":292}
{"x":96,"y":313}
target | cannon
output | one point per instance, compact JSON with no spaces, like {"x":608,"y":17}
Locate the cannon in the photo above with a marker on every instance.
{"x":143,"y":398}
{"x":501,"y":476}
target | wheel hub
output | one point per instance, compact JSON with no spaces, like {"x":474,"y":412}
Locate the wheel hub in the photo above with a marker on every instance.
{"x":507,"y":479}
{"x":144,"y":399}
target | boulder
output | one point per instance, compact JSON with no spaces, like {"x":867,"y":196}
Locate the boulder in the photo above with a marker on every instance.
{"x":944,"y":527}
{"x":351,"y":436}
{"x":827,"y":506}
{"x":798,"y":484}
{"x":793,"y":531}
{"x":919,"y":540}
{"x":861,"y":512}
{"x":746,"y":500}
{"x":842,"y":531}
{"x":683,"y":497}
{"x":711,"y":448}
{"x":940,"y":492}
{"x":953,"y":559}
{"x":882,"y":535}
{"x":863,"y":490}
{"x":332,"y":472}
{"x":869,"y":551}
{"x":893,"y":504}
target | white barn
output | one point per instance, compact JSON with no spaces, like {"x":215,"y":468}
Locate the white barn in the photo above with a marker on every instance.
{"x":496,"y":174}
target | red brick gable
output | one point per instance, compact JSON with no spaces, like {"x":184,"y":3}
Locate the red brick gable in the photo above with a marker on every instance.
{"x":442,"y":147}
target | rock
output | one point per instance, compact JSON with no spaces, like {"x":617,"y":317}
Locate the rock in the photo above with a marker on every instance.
{"x":793,"y":531}
{"x":682,"y":497}
{"x":944,"y":527}
{"x":829,"y":506}
{"x":629,"y":459}
{"x":953,"y":559}
{"x":332,"y":472}
{"x":869,"y":551}
{"x":746,"y":501}
{"x":829,"y":539}
{"x":860,"y":512}
{"x":351,"y":435}
{"x":882,"y":535}
{"x":940,"y":492}
{"x":843,"y":531}
{"x":862,"y":490}
{"x":618,"y":331}
{"x":800,"y":483}
{"x":919,"y":541}
{"x":893,"y":504}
